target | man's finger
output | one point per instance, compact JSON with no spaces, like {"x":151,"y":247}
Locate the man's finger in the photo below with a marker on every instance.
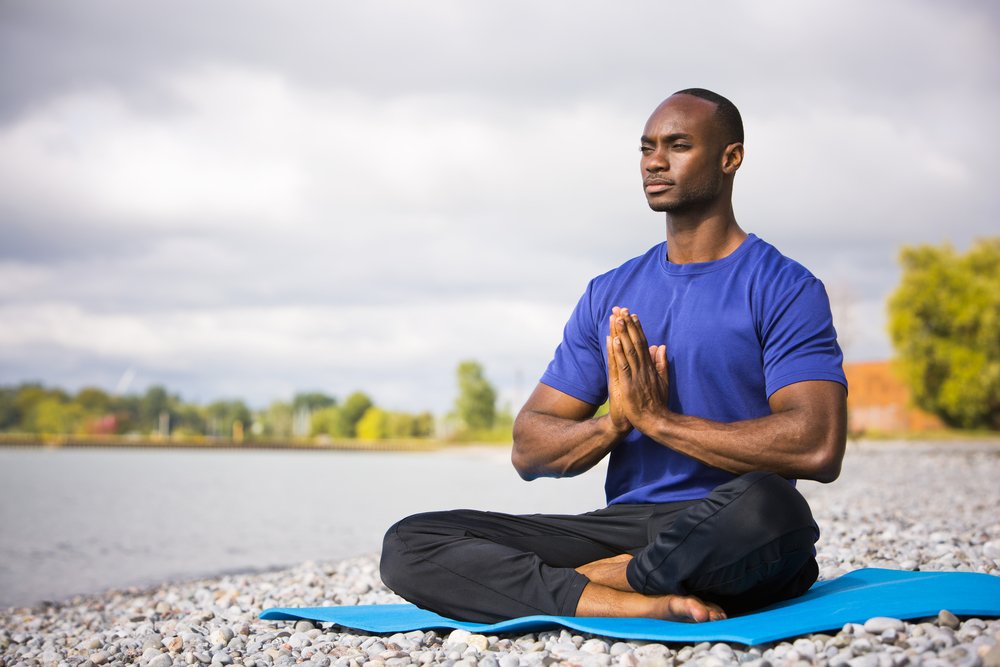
{"x":621,"y":358}
{"x":635,"y":330}
{"x":659,"y":354}
{"x":622,"y":333}
{"x":612,"y":366}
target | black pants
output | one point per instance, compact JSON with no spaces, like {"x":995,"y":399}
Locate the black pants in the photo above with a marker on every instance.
{"x":747,"y":544}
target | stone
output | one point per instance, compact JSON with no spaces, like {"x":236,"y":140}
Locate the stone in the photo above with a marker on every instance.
{"x":304,"y":626}
{"x":805,"y":648}
{"x":162,"y":660}
{"x":992,"y":656}
{"x":619,"y":647}
{"x":880,"y":624}
{"x":870,"y":660}
{"x":947,"y":619}
{"x":594,"y":646}
{"x":458,"y":637}
{"x":221,"y":635}
{"x":98,"y":658}
{"x":478,"y":642}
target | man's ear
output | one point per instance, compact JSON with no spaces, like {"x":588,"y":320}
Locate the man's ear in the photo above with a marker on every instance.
{"x":732,"y":158}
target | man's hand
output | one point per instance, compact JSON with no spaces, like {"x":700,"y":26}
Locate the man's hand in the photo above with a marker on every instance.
{"x":615,"y":400}
{"x":637,"y":370}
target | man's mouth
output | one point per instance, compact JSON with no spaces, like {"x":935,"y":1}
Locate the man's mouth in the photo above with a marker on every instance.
{"x":656,"y":186}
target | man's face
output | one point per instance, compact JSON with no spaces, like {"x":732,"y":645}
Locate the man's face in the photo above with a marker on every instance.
{"x":681,"y":160}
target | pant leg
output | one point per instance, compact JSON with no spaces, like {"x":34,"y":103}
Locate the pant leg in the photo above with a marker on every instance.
{"x":748,"y":544}
{"x":488,"y":566}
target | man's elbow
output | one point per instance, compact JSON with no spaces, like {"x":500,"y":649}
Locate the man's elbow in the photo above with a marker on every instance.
{"x":518,"y":453}
{"x":827,"y":459}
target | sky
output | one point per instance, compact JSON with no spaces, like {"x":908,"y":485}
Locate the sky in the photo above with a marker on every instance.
{"x":248,"y":199}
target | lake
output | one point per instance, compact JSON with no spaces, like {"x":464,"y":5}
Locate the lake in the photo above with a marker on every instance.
{"x":84,"y":520}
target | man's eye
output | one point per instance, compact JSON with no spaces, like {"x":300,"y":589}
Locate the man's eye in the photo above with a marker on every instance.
{"x":681,"y":147}
{"x":645,"y":150}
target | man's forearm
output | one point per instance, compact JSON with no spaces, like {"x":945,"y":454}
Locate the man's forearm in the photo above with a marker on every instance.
{"x":550,"y":446}
{"x":789,"y":443}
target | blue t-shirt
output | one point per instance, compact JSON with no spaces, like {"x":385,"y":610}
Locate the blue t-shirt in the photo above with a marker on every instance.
{"x":736,"y":330}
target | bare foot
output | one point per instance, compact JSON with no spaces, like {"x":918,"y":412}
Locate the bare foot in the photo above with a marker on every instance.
{"x":608,"y":572}
{"x":600,"y":600}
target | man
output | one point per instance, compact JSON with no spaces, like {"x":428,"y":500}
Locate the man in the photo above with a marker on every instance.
{"x":719,"y":362}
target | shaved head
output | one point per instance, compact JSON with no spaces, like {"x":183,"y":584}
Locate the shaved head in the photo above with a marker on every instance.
{"x":726,"y":114}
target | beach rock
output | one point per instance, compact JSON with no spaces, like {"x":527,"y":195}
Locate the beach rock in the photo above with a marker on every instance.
{"x":880,"y":624}
{"x":478,"y":642}
{"x":458,"y":636}
{"x":991,"y":658}
{"x":161,"y":660}
{"x":947,"y":619}
{"x":221,"y":635}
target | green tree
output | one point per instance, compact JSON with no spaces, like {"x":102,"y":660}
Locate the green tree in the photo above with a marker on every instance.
{"x":312,"y":401}
{"x":50,"y":415}
{"x":276,"y":420}
{"x":351,"y":412}
{"x":9,"y":416}
{"x":326,"y":421}
{"x":475,"y":405}
{"x":373,"y":425}
{"x":92,"y":400}
{"x":944,"y":319}
{"x":423,"y":425}
{"x":220,"y":416}
{"x":153,"y":403}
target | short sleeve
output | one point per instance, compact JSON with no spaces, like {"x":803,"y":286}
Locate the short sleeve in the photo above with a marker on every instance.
{"x":578,"y":367}
{"x":798,"y":338}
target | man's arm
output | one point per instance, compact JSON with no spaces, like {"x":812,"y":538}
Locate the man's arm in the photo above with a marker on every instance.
{"x":555,"y":435}
{"x":804,"y":437}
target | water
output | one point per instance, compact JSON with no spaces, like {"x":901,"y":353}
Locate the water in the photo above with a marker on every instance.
{"x":82,"y":521}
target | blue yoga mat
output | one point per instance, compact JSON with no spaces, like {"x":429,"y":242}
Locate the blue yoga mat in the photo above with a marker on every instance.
{"x":852,"y":598}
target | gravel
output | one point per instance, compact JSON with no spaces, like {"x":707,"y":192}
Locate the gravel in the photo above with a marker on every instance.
{"x":914,"y":506}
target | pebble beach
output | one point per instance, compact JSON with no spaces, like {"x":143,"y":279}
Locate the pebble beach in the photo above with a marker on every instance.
{"x":911,"y":506}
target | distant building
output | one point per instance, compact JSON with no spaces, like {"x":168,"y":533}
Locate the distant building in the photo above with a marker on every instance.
{"x":878,"y":400}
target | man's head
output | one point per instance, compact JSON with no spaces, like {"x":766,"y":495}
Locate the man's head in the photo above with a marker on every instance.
{"x":691,"y":147}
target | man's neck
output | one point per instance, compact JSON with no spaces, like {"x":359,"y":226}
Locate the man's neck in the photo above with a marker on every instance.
{"x":702,"y":238}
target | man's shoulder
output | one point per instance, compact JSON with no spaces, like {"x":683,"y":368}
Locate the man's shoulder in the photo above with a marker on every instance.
{"x":773,"y":268}
{"x":632,"y":268}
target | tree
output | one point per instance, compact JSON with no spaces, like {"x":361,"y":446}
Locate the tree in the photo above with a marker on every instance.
{"x":944,"y":319}
{"x":312,"y":401}
{"x":354,"y":407}
{"x":325,"y":421}
{"x":153,"y":403}
{"x":276,"y":420}
{"x":52,"y":416}
{"x":221,"y":415}
{"x":475,"y":405}
{"x":373,"y":425}
{"x":93,"y":400}
{"x":8,"y":409}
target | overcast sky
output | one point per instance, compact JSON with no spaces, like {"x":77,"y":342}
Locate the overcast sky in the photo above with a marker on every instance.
{"x":245,"y":199}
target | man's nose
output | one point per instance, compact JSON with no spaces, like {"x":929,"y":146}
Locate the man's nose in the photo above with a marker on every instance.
{"x":657,"y":161}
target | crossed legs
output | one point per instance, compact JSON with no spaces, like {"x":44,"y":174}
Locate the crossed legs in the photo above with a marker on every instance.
{"x":746,"y":545}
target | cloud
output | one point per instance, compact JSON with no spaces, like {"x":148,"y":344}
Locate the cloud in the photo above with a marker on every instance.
{"x":331,"y":199}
